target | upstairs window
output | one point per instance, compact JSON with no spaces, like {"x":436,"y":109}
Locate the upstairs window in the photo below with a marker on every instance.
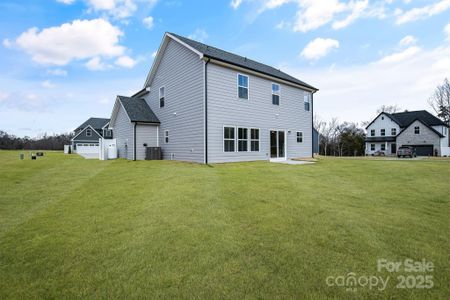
{"x":394,"y":131}
{"x":242,"y":139}
{"x":228,"y":139}
{"x":299,"y":137}
{"x":417,"y":130}
{"x":307,"y":99}
{"x":162,"y":96}
{"x":166,"y":136}
{"x":88,"y":132}
{"x":254,"y":139}
{"x":275,"y":94}
{"x":383,"y":132}
{"x":108,"y":133}
{"x":242,"y":86}
{"x":372,"y":132}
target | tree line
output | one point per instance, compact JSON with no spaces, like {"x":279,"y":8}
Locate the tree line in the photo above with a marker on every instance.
{"x":44,"y":142}
{"x":347,"y":138}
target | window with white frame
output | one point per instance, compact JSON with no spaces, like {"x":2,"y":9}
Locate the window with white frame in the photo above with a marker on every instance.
{"x":393,"y":131}
{"x":229,"y":139}
{"x":242,"y":139}
{"x":275,"y":94}
{"x":254,"y":139}
{"x":307,"y":100}
{"x":242,"y":86}
{"x":162,"y":96}
{"x":372,"y":147}
{"x":299,"y":137}
{"x":382,"y":132}
{"x":88,"y":132}
{"x":166,"y":136}
{"x":417,"y":130}
{"x":383,"y":146}
{"x":372,"y":132}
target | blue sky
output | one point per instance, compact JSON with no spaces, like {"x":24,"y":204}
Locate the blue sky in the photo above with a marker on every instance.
{"x":62,"y":61}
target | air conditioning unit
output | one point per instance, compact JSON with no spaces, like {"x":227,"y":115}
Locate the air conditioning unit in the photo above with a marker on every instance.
{"x":153,"y":153}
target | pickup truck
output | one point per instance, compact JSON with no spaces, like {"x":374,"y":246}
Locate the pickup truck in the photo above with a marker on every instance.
{"x":406,"y":151}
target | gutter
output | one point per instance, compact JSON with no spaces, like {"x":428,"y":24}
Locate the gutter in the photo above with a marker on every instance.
{"x":207,"y":60}
{"x":312,"y":126}
{"x":134,"y":141}
{"x":142,"y":92}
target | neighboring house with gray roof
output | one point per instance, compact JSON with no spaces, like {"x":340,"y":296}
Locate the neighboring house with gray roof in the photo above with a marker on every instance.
{"x":419,"y":129}
{"x":203,"y":104}
{"x":87,"y":135}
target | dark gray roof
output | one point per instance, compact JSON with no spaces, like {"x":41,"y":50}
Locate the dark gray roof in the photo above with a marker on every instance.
{"x":96,"y":123}
{"x":407,"y":117}
{"x":138,"y":110}
{"x":224,"y":56}
{"x":380,"y":139}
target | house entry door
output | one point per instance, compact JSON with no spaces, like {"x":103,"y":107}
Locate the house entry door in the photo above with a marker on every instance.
{"x":277,"y":145}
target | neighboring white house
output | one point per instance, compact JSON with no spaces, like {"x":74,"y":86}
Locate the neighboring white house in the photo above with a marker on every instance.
{"x":87,"y":135}
{"x":419,"y":129}
{"x":202,"y":104}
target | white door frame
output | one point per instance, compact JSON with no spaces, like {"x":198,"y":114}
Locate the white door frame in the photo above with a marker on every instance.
{"x":285,"y":145}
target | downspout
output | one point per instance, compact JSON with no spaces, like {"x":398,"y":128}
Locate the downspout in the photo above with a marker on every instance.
{"x":312,"y":125}
{"x":134,"y":141}
{"x":206,"y":109}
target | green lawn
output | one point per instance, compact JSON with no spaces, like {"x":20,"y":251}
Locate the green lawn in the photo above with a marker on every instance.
{"x":75,"y":228}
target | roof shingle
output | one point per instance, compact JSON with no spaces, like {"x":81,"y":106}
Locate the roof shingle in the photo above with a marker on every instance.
{"x":96,"y":123}
{"x":138,"y":110}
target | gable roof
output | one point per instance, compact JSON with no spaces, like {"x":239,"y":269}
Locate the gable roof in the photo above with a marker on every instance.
{"x":95,"y":123}
{"x":404,"y":119}
{"x":138,"y":110}
{"x":426,"y":125}
{"x":407,"y":117}
{"x":84,"y":129}
{"x":217,"y":54}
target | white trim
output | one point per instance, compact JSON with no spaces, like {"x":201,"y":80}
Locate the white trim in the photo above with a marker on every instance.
{"x":301,"y":135}
{"x":105,"y":125}
{"x":186,"y":45}
{"x":116,"y":111}
{"x":89,"y":132}
{"x":238,"y":139}
{"x":84,"y":130}
{"x":308,"y":96}
{"x":285,"y":146}
{"x":157,"y":136}
{"x":159,"y":96}
{"x":272,"y":93}
{"x":166,"y":135}
{"x":223,"y":138}
{"x":238,"y":86}
{"x":252,"y":140}
{"x":272,"y":78}
{"x":204,"y":113}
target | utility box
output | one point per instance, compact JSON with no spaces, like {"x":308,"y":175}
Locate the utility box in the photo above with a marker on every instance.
{"x":153,"y":153}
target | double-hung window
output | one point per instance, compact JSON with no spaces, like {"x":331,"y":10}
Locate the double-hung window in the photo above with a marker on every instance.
{"x":254,"y":139}
{"x":383,"y":146}
{"x":162,"y":96}
{"x":242,"y":86}
{"x":275,"y":94}
{"x":372,"y":147}
{"x":307,"y":100}
{"x":372,"y":132}
{"x":383,"y":132}
{"x":299,"y":137}
{"x":393,"y":131}
{"x":88,"y":132}
{"x":228,"y":139}
{"x":242,"y":139}
{"x":417,"y":130}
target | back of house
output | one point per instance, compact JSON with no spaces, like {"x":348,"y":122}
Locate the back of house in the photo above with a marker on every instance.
{"x":202,"y":104}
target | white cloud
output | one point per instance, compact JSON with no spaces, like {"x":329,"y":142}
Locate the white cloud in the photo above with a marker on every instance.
{"x":447,"y":31}
{"x":148,"y":22}
{"x":48,"y":84}
{"x":363,"y":88}
{"x":235,"y":3}
{"x":57,"y":72}
{"x":80,"y":39}
{"x":66,"y":1}
{"x":154,"y":53}
{"x":126,"y":62}
{"x":319,"y":48}
{"x":423,"y":12}
{"x":408,"y":40}
{"x":199,"y":35}
{"x":7,"y":43}
{"x":96,"y":64}
{"x":357,"y":10}
{"x":119,"y":9}
{"x":400,"y":56}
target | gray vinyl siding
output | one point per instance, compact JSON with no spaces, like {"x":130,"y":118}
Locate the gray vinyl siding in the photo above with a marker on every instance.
{"x":145,"y":134}
{"x":124,"y":133}
{"x":181,"y":73}
{"x":82,"y":137}
{"x":224,"y":108}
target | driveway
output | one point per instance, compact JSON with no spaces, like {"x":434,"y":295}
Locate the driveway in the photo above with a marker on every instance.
{"x":89,"y":155}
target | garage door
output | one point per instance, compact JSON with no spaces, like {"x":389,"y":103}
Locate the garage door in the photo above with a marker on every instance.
{"x":87,"y":148}
{"x":424,"y":150}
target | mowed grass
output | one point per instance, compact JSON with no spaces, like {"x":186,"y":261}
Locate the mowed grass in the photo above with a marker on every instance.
{"x":75,"y":228}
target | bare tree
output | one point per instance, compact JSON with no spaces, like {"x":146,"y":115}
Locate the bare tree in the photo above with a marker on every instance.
{"x":328,"y":133}
{"x":440,"y":101}
{"x":318,"y":123}
{"x":390,"y":109}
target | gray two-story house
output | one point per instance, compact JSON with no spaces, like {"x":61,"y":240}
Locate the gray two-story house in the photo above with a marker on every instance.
{"x":203,"y":104}
{"x":418,"y":129}
{"x":87,"y":135}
